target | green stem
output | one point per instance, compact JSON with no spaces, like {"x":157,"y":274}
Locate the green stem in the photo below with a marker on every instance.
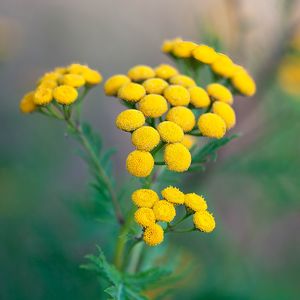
{"x":79,"y":103}
{"x":159,"y":163}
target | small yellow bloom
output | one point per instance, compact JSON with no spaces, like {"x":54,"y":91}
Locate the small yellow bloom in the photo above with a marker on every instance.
{"x":114,"y":83}
{"x":144,"y":216}
{"x":173,"y":195}
{"x":164,"y":211}
{"x":183,"y":80}
{"x":42,"y":96}
{"x":199,"y":97}
{"x":155,"y":85}
{"x":74,"y":80}
{"x":50,"y":76}
{"x":205,"y":54}
{"x":60,"y":70}
{"x":170,"y":132}
{"x":130,"y":119}
{"x":27,"y":104}
{"x":139,"y":163}
{"x":226,"y":112}
{"x":204,"y":221}
{"x":131,"y":92}
{"x":144,"y":198}
{"x":165,"y":71}
{"x":212,"y":125}
{"x":140,"y":73}
{"x":177,"y":157}
{"x":223,"y":65}
{"x":168,"y":45}
{"x":77,"y":68}
{"x":183,"y":49}
{"x":183,"y":117}
{"x":188,"y":141}
{"x":153,"y":105}
{"x":219,"y":92}
{"x":177,"y":95}
{"x":145,"y":138}
{"x":50,"y":84}
{"x":65,"y":94}
{"x":243,"y":82}
{"x":153,"y":235}
{"x":195,"y":202}
{"x":91,"y":77}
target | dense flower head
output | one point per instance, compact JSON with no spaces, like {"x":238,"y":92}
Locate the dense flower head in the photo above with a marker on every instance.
{"x":177,"y":95}
{"x":145,"y":138}
{"x":199,"y":97}
{"x":183,"y":49}
{"x":155,"y":85}
{"x":130,"y":119}
{"x":42,"y":96}
{"x":243,"y":82}
{"x":144,"y":216}
{"x":183,"y":80}
{"x":165,"y":71}
{"x":139,"y":163}
{"x":131,"y":92}
{"x":144,"y":198}
{"x":153,"y":235}
{"x":74,"y":80}
{"x":170,"y":132}
{"x":205,"y":54}
{"x":177,"y":157}
{"x":212,"y":125}
{"x":183,"y":117}
{"x":113,"y":84}
{"x":204,"y":221}
{"x":195,"y":202}
{"x":223,"y":65}
{"x":153,"y":105}
{"x":27,"y":104}
{"x":65,"y":94}
{"x":164,"y":211}
{"x":226,"y":112}
{"x":140,"y":73}
{"x":173,"y":195}
{"x":91,"y":77}
{"x":168,"y":45}
{"x":219,"y":92}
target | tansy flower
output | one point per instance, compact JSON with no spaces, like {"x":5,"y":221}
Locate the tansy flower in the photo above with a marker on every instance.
{"x":170,"y":132}
{"x":91,"y":77}
{"x":145,"y":138}
{"x":164,"y":211}
{"x":144,"y":216}
{"x":165,"y":71}
{"x":130,"y":119}
{"x":195,"y":202}
{"x":113,"y":84}
{"x":60,"y":70}
{"x":42,"y":96}
{"x":223,"y":65}
{"x":27,"y":104}
{"x":183,"y":117}
{"x":50,"y":84}
{"x":204,"y":221}
{"x":226,"y":112}
{"x":199,"y":97}
{"x":168,"y":45}
{"x":74,"y":80}
{"x":131,"y":92}
{"x":155,"y":85}
{"x":144,"y":198}
{"x":183,"y":49}
{"x":177,"y":95}
{"x":204,"y":54}
{"x":153,"y":235}
{"x":177,"y":157}
{"x":139,"y":163}
{"x":65,"y":94}
{"x":212,"y":125}
{"x":243,"y":82}
{"x":188,"y":141}
{"x":153,"y":105}
{"x":173,"y":195}
{"x":140,"y":73}
{"x":183,"y":80}
{"x":219,"y":92}
{"x":50,"y":76}
{"x":77,"y":68}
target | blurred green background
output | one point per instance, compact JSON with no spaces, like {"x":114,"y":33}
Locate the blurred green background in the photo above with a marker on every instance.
{"x":46,"y":224}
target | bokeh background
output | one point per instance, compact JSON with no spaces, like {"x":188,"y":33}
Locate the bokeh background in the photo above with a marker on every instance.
{"x":46,"y":224}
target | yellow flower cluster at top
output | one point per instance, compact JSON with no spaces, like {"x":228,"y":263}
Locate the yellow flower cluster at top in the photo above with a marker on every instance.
{"x":60,"y":86}
{"x":152,"y":213}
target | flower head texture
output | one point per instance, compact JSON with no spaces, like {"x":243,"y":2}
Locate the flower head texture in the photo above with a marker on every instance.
{"x":183,"y":117}
{"x":177,"y":157}
{"x":65,"y":94}
{"x":195,"y":202}
{"x":139,"y":163}
{"x":223,"y":65}
{"x":144,"y":198}
{"x":183,"y":80}
{"x":42,"y":96}
{"x":130,"y":119}
{"x":199,"y":97}
{"x":183,"y":49}
{"x":164,"y":211}
{"x":170,"y":132}
{"x":165,"y":71}
{"x":153,"y":235}
{"x":91,"y":77}
{"x":155,"y":85}
{"x":74,"y":80}
{"x":219,"y":92}
{"x":131,"y":92}
{"x":140,"y":73}
{"x":204,"y":221}
{"x":50,"y":84}
{"x":205,"y":54}
{"x":226,"y":112}
{"x":114,"y":83}
{"x":168,"y":45}
{"x":173,"y":195}
{"x":212,"y":125}
{"x":145,"y":138}
{"x":144,"y":216}
{"x":188,"y":141}
{"x":76,"y":68}
{"x":27,"y":104}
{"x":177,"y":95}
{"x":50,"y":76}
{"x":153,"y":105}
{"x":243,"y":82}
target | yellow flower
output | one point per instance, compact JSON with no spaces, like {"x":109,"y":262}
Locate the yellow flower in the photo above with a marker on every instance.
{"x":223,"y":65}
{"x":60,"y":70}
{"x":219,"y":92}
{"x":195,"y":202}
{"x":226,"y":112}
{"x":42,"y":96}
{"x":144,"y":216}
{"x":77,"y":68}
{"x":205,"y":54}
{"x":139,"y":163}
{"x":243,"y":82}
{"x":153,"y":105}
{"x":183,"y":49}
{"x":177,"y":95}
{"x":145,"y":138}
{"x":212,"y":125}
{"x":50,"y":76}
{"x":204,"y":221}
{"x":173,"y":195}
{"x":183,"y":117}
{"x":155,"y":85}
{"x":183,"y":80}
{"x":165,"y":71}
{"x":132,"y":92}
{"x":74,"y":80}
{"x":199,"y":97}
{"x":140,"y":73}
{"x":91,"y":77}
{"x":65,"y":94}
{"x":164,"y":211}
{"x":130,"y":119}
{"x":27,"y":104}
{"x":153,"y":235}
{"x":144,"y":198}
{"x":114,"y":83}
{"x":170,"y":132}
{"x":50,"y":84}
{"x":188,"y":141}
{"x":168,"y":45}
{"x":177,"y":157}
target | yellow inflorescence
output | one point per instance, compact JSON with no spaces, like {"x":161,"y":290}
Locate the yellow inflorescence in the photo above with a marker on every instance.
{"x":139,"y":163}
{"x":164,"y":211}
{"x":131,"y":92}
{"x":177,"y":157}
{"x":165,"y":71}
{"x":140,"y":73}
{"x":212,"y":125}
{"x":223,"y":65}
{"x":153,"y":105}
{"x":205,"y":54}
{"x":155,"y":85}
{"x":168,"y":45}
{"x":183,"y":49}
{"x":113,"y":84}
{"x":144,"y":198}
{"x":173,"y":195}
{"x":204,"y":221}
{"x":183,"y":117}
{"x":144,"y":216}
{"x":219,"y":93}
{"x":145,"y":138}
{"x":243,"y":82}
{"x":130,"y":119}
{"x":177,"y":95}
{"x":170,"y":132}
{"x":195,"y":202}
{"x":27,"y":104}
{"x":153,"y":235}
{"x":183,"y":80}
{"x":226,"y":112}
{"x":188,"y":141}
{"x":74,"y":80}
{"x":65,"y":94}
{"x":199,"y":97}
{"x":42,"y":96}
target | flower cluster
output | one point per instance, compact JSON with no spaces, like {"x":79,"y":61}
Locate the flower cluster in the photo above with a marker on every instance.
{"x":62,"y":85}
{"x":153,"y":214}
